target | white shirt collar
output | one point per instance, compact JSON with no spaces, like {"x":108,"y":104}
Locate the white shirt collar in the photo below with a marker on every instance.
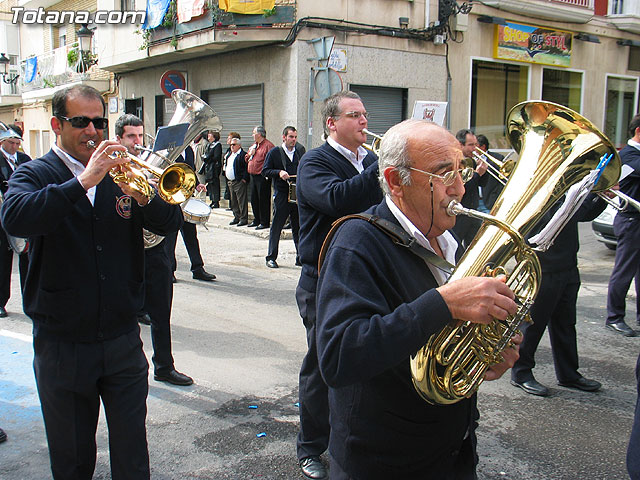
{"x":447,"y":243}
{"x":633,"y":143}
{"x":76,"y":168}
{"x":355,"y":159}
{"x":289,"y":153}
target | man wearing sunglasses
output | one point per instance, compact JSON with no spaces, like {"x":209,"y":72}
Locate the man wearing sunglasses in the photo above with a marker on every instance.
{"x":335,"y":179}
{"x":378,"y":303}
{"x":84,"y":287}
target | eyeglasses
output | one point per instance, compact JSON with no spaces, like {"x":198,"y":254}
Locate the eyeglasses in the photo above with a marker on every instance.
{"x":354,"y":114}
{"x":99,"y":123}
{"x":450,"y":177}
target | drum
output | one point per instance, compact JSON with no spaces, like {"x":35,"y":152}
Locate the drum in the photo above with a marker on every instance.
{"x":291,"y":197}
{"x":196,"y":211}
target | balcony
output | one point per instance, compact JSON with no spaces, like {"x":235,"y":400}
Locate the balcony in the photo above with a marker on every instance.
{"x":574,"y":11}
{"x":625,"y":15}
{"x":41,"y":76}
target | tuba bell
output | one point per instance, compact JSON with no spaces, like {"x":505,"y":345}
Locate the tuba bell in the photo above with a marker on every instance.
{"x":558,"y":148}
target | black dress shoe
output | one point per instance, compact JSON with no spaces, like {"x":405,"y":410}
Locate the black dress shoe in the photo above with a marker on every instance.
{"x":242,"y":223}
{"x":532,"y":387}
{"x":3,"y":312}
{"x":261,"y":227}
{"x":272,"y":264}
{"x":622,"y":328}
{"x":312,"y":467}
{"x":3,"y":436}
{"x":201,"y":274}
{"x":174,"y":279}
{"x":583,"y":384}
{"x":215,"y":205}
{"x":175,"y":378}
{"x":235,"y":221}
{"x":287,"y":226}
{"x":144,"y":318}
{"x":298,"y":262}
{"x":253,"y":224}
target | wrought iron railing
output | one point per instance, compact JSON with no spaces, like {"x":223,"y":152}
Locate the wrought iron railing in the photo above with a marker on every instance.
{"x":576,"y":3}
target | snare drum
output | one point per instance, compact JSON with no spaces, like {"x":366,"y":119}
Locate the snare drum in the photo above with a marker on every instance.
{"x":196,"y":211}
{"x":292,"y":197}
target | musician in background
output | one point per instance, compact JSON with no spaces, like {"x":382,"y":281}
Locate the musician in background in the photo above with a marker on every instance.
{"x":260,"y":186}
{"x":335,"y":179}
{"x":626,"y":226}
{"x":378,"y":303}
{"x":467,"y":227}
{"x":492,"y":187}
{"x":555,"y":307}
{"x":10,"y":158}
{"x":158,"y":292}
{"x":282,"y":163}
{"x":84,"y":287}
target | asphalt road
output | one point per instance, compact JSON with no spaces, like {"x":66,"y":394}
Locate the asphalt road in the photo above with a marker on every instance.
{"x":242,"y":340}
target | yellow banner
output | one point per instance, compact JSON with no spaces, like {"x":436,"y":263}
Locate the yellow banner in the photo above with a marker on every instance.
{"x":246,"y":6}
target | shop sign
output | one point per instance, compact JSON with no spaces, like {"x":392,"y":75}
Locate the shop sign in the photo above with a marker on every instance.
{"x":528,"y":43}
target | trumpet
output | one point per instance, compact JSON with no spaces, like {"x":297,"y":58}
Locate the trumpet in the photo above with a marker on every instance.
{"x":375,"y":143}
{"x":500,"y":172}
{"x":176,"y":183}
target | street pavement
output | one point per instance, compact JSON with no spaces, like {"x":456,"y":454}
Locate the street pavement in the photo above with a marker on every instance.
{"x":242,"y":340}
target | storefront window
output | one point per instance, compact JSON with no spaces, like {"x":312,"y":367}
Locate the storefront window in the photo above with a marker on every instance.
{"x":562,"y":87}
{"x":495,"y":89}
{"x":619,"y":108}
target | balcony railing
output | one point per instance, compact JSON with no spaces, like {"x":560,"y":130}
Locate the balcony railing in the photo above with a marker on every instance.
{"x":576,"y":3}
{"x":58,"y":67}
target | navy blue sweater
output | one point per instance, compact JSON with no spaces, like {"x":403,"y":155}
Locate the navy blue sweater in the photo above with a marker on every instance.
{"x":631,"y":184}
{"x":377,"y":305}
{"x":86,"y":263}
{"x":328,"y":187}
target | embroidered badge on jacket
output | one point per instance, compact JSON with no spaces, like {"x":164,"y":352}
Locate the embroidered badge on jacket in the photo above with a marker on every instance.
{"x":123,"y":206}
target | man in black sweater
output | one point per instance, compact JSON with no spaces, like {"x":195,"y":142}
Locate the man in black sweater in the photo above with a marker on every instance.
{"x":84,"y":287}
{"x":335,"y":179}
{"x":378,"y":303}
{"x":627,"y":229}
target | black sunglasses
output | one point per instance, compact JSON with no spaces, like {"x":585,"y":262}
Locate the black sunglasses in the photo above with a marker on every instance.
{"x":99,"y":123}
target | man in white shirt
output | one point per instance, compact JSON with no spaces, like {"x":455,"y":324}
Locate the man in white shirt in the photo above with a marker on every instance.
{"x":236,"y":172}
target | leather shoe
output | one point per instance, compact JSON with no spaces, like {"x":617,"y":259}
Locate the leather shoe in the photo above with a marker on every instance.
{"x":174,"y":279}
{"x":253,"y":224}
{"x":532,"y":387}
{"x":3,"y":436}
{"x":144,"y":318}
{"x":298,"y":262}
{"x":583,"y":384}
{"x":242,"y":223}
{"x":313,"y":468}
{"x":174,"y":377}
{"x":235,"y":221}
{"x":261,"y":227}
{"x":622,"y":328}
{"x":272,"y":264}
{"x":3,"y":312}
{"x":201,"y":274}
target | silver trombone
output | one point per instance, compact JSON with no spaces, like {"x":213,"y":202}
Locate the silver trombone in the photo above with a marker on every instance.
{"x":501,"y":174}
{"x":375,"y":143}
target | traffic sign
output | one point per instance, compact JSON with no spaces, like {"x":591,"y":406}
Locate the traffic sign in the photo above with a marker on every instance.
{"x":172,"y":80}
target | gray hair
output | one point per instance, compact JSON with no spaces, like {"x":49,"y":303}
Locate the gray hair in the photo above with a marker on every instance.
{"x":331,"y":106}
{"x":394,"y":151}
{"x":261,"y":130}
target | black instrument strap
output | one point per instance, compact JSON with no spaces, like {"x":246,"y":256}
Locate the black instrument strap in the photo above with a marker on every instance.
{"x":397,"y":235}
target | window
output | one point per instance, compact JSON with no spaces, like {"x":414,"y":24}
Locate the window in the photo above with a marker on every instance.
{"x":127,"y":5}
{"x":616,"y":7}
{"x":134,"y":106}
{"x":562,"y":87}
{"x":495,"y":89}
{"x":620,"y":105}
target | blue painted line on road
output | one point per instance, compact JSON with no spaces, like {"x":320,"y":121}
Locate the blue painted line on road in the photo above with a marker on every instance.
{"x":19,"y":403}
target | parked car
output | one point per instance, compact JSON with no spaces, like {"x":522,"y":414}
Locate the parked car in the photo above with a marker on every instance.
{"x":603,"y":227}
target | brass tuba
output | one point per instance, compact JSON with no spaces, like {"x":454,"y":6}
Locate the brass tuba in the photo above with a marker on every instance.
{"x":558,"y":148}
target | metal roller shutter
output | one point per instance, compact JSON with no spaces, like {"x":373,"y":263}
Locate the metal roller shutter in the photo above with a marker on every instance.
{"x":386,"y":106}
{"x":240,"y":110}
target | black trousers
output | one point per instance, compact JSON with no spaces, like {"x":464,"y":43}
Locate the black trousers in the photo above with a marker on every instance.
{"x":261,"y":199}
{"x":313,"y":438}
{"x":625,"y":268}
{"x":633,"y":452}
{"x":213,"y":184}
{"x":157,"y":303}
{"x":6,"y":265}
{"x":190,"y":238}
{"x":282,"y":210}
{"x":72,"y":378}
{"x":555,"y":307}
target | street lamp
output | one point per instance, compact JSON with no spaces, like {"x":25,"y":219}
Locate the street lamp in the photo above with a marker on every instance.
{"x":7,"y":77}
{"x":85,"y":37}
